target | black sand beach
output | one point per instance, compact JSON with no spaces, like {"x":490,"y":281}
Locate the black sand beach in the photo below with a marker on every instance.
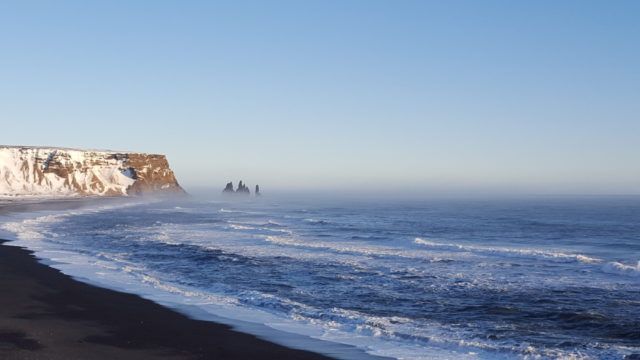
{"x":45,"y":314}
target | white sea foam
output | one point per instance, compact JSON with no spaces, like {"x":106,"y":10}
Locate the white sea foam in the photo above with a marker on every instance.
{"x":223,"y":210}
{"x":241,"y":227}
{"x":375,"y":334}
{"x":394,"y":336}
{"x":379,"y":335}
{"x":615,"y":267}
{"x":316,"y":221}
{"x":31,"y":229}
{"x":34,"y":226}
{"x":512,"y":252}
{"x":350,"y":248}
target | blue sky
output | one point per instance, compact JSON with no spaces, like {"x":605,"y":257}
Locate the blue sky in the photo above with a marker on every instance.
{"x":522,"y":96}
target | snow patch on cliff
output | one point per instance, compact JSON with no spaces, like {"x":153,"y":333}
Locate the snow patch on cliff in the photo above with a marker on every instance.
{"x":55,"y":172}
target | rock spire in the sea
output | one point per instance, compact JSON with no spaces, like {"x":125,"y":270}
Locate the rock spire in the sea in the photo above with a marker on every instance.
{"x":242,"y":188}
{"x":229,"y":188}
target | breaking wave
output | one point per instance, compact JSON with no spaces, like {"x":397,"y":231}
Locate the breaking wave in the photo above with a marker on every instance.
{"x":512,"y":252}
{"x":364,"y":279}
{"x":618,"y":268}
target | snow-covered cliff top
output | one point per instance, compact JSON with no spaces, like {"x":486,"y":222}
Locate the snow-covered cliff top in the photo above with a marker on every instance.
{"x":74,"y":149}
{"x":55,"y":171}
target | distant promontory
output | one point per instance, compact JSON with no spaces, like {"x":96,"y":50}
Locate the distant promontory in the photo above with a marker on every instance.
{"x":50,"y":171}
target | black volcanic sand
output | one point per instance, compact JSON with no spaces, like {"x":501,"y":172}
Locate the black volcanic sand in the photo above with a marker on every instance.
{"x":45,"y":314}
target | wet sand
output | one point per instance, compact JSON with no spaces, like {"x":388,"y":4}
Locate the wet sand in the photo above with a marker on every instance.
{"x":45,"y":314}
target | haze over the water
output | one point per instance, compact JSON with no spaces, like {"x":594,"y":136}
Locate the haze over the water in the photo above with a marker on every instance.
{"x":424,"y":96}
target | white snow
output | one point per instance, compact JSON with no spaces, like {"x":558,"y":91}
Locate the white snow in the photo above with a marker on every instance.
{"x":27,"y":171}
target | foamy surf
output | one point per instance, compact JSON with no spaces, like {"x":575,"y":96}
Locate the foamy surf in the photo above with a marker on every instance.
{"x":366,"y":281}
{"x":615,"y":267}
{"x":514,"y":252}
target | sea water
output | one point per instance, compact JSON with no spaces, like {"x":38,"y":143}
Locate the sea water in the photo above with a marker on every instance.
{"x":433,"y":278}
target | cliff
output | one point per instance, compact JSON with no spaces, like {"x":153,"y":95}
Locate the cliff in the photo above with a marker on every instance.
{"x":60,"y":171}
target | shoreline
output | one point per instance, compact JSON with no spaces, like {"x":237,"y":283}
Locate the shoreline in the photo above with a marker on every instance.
{"x":45,"y":314}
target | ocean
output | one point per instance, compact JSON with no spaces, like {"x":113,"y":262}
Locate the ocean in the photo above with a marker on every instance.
{"x":526,"y":278}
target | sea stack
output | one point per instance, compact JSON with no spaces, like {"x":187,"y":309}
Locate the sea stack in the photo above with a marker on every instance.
{"x":229,"y":188}
{"x":242,"y":189}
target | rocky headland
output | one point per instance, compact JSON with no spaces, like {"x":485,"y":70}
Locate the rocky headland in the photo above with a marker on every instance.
{"x":50,"y":171}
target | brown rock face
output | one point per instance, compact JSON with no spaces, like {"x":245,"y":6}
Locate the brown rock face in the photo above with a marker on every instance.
{"x":59,"y":171}
{"x":152,"y":175}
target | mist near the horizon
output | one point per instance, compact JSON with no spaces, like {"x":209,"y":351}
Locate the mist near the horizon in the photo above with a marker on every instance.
{"x":340,"y":195}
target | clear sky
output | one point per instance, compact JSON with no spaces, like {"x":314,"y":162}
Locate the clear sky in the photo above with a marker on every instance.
{"x":524,"y":96}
